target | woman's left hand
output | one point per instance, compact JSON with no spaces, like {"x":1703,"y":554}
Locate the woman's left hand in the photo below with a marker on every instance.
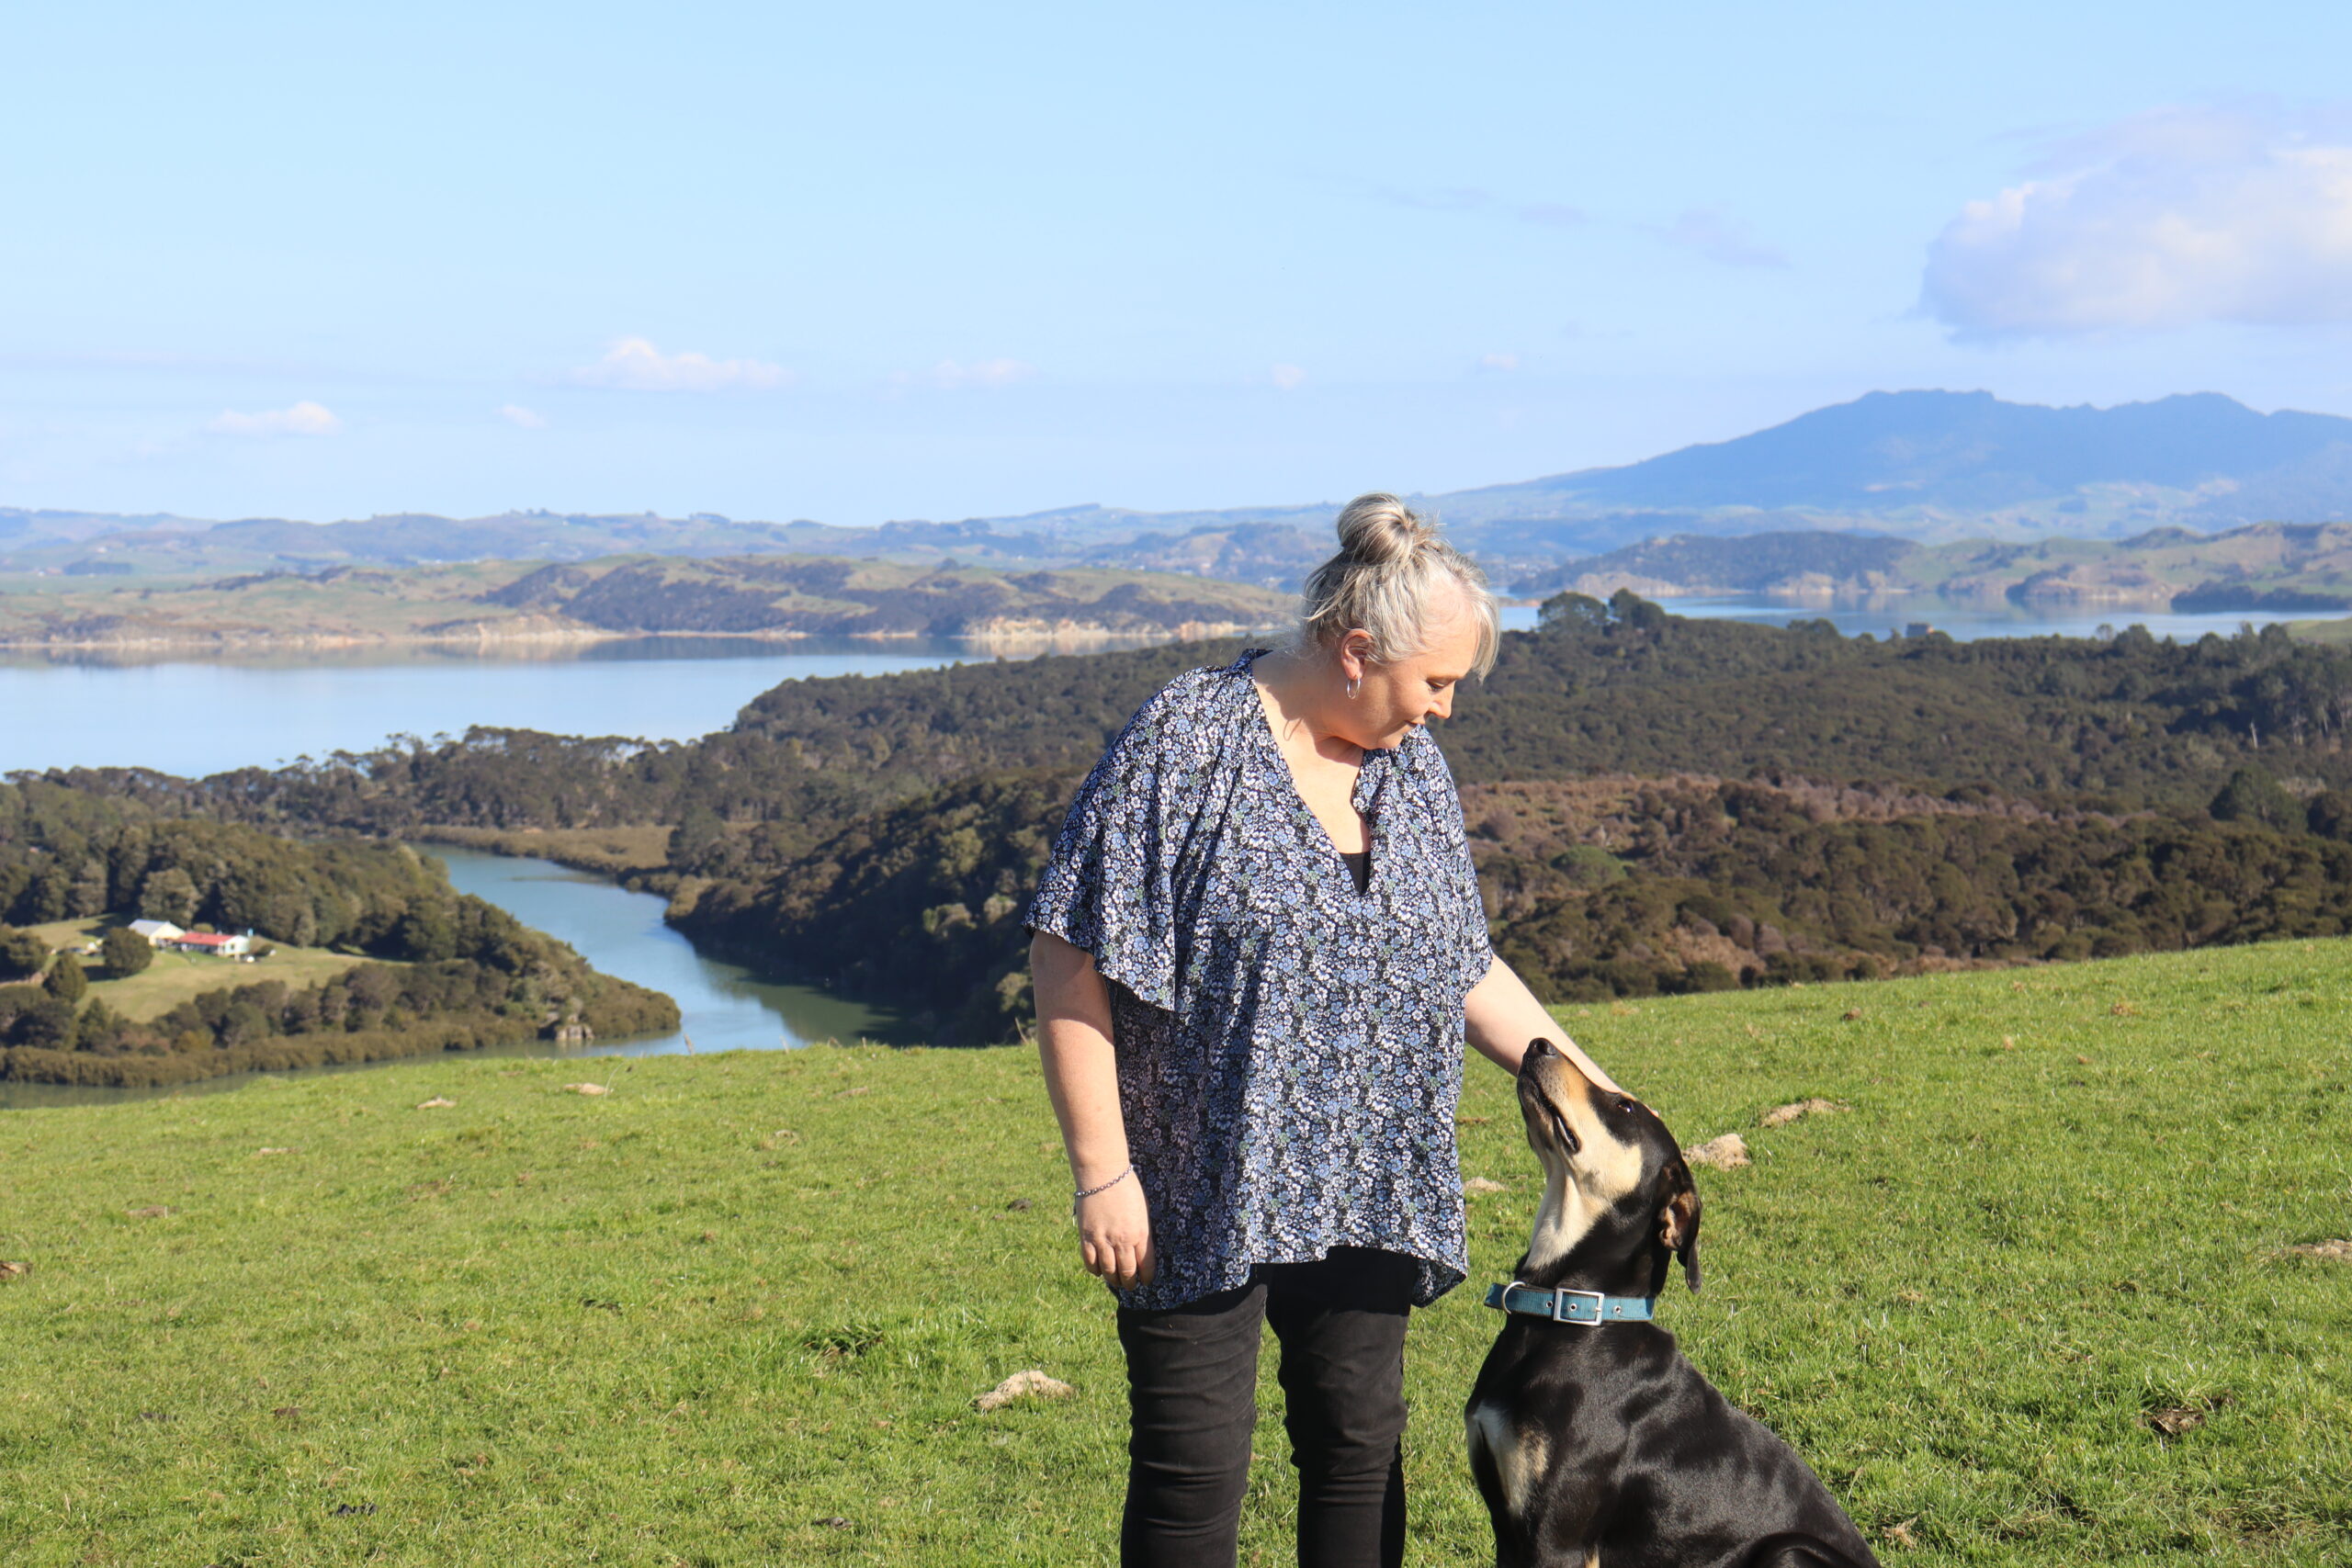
{"x":1115,"y":1235}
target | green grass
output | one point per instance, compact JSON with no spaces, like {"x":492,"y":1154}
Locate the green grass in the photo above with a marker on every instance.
{"x":745,"y":1293}
{"x":2338,"y":630}
{"x":174,"y":978}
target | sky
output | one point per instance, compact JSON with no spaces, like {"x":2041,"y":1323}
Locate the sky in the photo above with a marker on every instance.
{"x":891,"y":261}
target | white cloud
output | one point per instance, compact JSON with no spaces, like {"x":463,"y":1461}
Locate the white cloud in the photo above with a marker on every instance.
{"x":635,"y":365}
{"x":1504,"y":362}
{"x":515,"y":414}
{"x":1719,"y":237}
{"x":303,"y":419}
{"x":950,"y":377}
{"x":1289,"y":377}
{"x":2161,"y":220}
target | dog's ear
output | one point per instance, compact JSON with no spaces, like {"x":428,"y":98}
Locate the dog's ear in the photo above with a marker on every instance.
{"x":1678,"y":1229}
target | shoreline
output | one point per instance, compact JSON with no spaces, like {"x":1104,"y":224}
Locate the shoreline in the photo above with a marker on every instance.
{"x":1026,"y":635}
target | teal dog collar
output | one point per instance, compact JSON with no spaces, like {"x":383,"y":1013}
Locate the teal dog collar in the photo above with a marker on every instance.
{"x":1585,"y":1307}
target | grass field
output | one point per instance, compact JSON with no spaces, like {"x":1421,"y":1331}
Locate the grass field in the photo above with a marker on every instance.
{"x":174,"y":978}
{"x":2338,"y":630}
{"x":736,"y":1311}
{"x":612,"y":852}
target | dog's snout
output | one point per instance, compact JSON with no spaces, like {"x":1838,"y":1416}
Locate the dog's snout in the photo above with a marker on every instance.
{"x":1539,"y":1046}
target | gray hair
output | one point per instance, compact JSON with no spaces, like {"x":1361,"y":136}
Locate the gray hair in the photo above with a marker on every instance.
{"x":1391,"y":563}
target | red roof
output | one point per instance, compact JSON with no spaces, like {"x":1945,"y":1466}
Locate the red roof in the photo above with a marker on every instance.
{"x":207,"y":938}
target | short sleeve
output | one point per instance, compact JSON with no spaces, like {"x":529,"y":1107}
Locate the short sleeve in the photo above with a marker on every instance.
{"x":1108,"y":889}
{"x":1473,"y":949}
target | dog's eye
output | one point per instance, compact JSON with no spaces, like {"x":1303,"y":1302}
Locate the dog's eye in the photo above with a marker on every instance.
{"x":1624,"y":1103}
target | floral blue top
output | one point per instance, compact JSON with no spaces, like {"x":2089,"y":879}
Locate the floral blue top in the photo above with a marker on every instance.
{"x":1289,"y":1049}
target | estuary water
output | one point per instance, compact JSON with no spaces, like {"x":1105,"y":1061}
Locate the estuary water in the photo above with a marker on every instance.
{"x":196,"y":716}
{"x":726,"y":1007}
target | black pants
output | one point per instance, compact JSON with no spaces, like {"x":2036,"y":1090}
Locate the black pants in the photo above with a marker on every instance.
{"x":1192,"y":1381}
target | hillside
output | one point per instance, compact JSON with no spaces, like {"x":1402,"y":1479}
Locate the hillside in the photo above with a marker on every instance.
{"x":1656,"y":805}
{"x":627,"y":596}
{"x":1928,"y":466}
{"x":737,"y":1311}
{"x":2266,"y":566}
{"x":382,"y":958}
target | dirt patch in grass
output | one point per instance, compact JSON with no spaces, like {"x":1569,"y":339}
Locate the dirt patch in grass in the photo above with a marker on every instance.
{"x":1726,"y":1153}
{"x":1781,"y":1115}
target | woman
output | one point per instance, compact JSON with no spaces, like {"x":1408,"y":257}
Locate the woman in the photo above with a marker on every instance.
{"x":1258,"y":951}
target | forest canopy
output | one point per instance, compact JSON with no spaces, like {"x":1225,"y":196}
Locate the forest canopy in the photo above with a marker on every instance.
{"x":1851,"y":805}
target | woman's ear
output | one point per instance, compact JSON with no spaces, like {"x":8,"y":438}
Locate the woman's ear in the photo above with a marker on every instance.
{"x":1677,"y":1230}
{"x":1354,"y":654}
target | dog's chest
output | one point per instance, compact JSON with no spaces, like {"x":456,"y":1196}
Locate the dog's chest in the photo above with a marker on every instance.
{"x":1521,"y":1451}
{"x":1516,"y":1454}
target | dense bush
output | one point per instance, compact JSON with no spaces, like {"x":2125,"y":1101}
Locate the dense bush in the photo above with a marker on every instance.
{"x":125,"y":953}
{"x":65,"y":980}
{"x":22,"y":955}
{"x":920,"y":905}
{"x":2065,"y":797}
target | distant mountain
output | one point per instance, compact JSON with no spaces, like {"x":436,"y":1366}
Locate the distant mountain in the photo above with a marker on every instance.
{"x":1968,"y":452}
{"x":1925,"y":465}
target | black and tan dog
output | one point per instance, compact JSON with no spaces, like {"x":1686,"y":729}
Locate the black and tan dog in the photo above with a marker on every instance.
{"x":1593,"y":1440}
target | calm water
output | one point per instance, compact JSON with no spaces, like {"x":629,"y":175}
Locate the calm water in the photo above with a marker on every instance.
{"x":194,"y":717}
{"x":726,"y":1007}
{"x":1966,"y":620}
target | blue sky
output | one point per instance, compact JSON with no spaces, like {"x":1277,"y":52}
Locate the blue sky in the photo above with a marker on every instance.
{"x":897,"y":261}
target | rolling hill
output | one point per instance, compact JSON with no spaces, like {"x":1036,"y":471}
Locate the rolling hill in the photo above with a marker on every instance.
{"x":1930,"y":467}
{"x":635,"y":596}
{"x":2266,"y":566}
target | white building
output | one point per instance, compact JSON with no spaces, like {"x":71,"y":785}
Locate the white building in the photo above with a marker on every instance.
{"x":158,"y":934}
{"x":226,"y":945}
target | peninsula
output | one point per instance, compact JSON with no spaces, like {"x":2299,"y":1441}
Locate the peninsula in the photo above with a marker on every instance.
{"x":627,"y":596}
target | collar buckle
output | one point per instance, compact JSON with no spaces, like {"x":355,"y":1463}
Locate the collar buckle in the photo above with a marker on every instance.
{"x":1562,"y":1307}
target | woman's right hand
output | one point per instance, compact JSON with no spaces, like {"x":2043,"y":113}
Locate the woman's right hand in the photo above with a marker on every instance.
{"x":1114,"y":1235}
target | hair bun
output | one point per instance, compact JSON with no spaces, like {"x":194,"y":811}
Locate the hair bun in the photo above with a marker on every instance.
{"x":1378,"y":529}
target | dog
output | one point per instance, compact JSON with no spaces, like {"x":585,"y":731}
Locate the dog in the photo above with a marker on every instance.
{"x":1593,"y":1440}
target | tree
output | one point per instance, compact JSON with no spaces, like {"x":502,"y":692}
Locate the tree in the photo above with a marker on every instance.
{"x":169,"y":895}
{"x":426,"y":935}
{"x":1571,"y":611}
{"x":2330,"y":815}
{"x":66,"y":982}
{"x":48,"y":1024}
{"x":87,"y":894}
{"x":125,"y":953}
{"x":100,"y":1028}
{"x":22,"y":955}
{"x":2252,"y":796}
